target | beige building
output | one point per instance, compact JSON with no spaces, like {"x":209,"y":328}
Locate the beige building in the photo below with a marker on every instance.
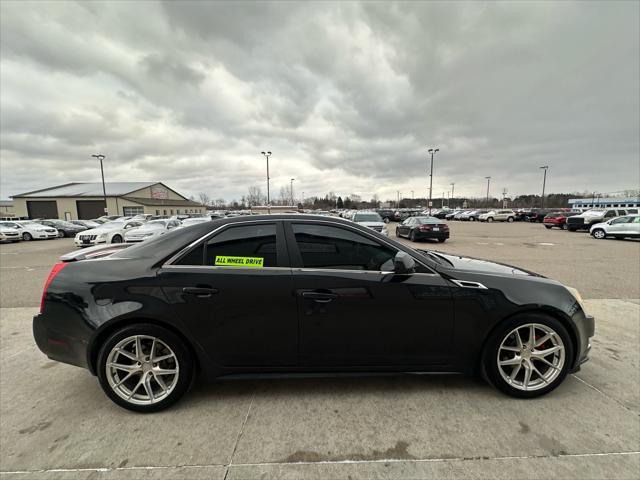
{"x":82,"y":201}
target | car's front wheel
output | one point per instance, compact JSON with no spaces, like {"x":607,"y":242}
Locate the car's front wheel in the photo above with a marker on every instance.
{"x":599,"y":233}
{"x":528,"y":356}
{"x":61,"y":234}
{"x":26,"y":236}
{"x":510,"y":219}
{"x":490,"y":219}
{"x":412,"y":236}
{"x":116,"y":239}
{"x":564,"y":226}
{"x":144,"y":367}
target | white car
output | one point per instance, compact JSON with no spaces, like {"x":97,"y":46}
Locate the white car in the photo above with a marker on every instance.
{"x":620,"y":227}
{"x":9,"y":234}
{"x":150,"y":230}
{"x":30,"y":230}
{"x":371,"y":220}
{"x":110,"y":232}
{"x":187,"y":222}
{"x":498,"y":216}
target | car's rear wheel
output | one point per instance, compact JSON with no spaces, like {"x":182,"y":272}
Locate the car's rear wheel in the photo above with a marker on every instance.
{"x":26,"y":236}
{"x":397,"y":233}
{"x":490,"y":219}
{"x":510,"y":219}
{"x":528,"y":356}
{"x":548,"y":227}
{"x":412,"y":236}
{"x":116,"y":239}
{"x":144,"y":367}
{"x":564,"y":226}
{"x":61,"y":234}
{"x":599,"y":233}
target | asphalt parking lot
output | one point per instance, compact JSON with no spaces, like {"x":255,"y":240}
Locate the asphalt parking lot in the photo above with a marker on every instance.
{"x":55,"y":422}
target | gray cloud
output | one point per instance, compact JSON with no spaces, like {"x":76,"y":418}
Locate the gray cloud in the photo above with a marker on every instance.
{"x":348,"y":96}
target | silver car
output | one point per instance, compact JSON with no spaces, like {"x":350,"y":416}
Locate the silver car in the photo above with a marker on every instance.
{"x":150,"y":230}
{"x":620,"y":227}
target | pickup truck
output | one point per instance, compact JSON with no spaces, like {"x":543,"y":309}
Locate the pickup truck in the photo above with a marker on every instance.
{"x":586,"y":220}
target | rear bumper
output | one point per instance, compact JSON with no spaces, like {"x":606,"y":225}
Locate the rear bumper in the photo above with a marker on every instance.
{"x":57,"y":345}
{"x":437,"y":235}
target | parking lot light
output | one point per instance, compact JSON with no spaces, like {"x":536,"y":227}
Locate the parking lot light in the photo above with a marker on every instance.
{"x":104,"y":190}
{"x":488,"y":182}
{"x":432,"y":151}
{"x":544,"y":183}
{"x":267,"y":155}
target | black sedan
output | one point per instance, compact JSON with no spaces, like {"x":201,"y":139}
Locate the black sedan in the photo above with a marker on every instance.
{"x":65,"y":229}
{"x":419,"y":228}
{"x":299,"y":295}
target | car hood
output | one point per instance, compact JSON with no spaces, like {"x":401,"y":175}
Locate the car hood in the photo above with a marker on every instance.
{"x":372,"y":224}
{"x":8,"y":230}
{"x":143,"y":230}
{"x":601,"y":225}
{"x":470,"y":264}
{"x":98,"y":231}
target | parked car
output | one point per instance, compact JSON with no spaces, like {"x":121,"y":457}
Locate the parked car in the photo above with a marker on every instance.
{"x":9,"y":234}
{"x":145,"y":318}
{"x":150,"y":230}
{"x":420,"y":228}
{"x":498,"y":216}
{"x":86,"y":223}
{"x":557,"y":219}
{"x":385,"y":213}
{"x":371,"y":220}
{"x":110,"y":232}
{"x":187,"y":222}
{"x":585,"y":220}
{"x":619,"y":228}
{"x":30,"y":230}
{"x":64,"y":228}
{"x":451,"y":214}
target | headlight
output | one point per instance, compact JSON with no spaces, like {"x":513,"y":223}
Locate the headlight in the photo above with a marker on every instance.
{"x":102,"y":236}
{"x":576,"y":295}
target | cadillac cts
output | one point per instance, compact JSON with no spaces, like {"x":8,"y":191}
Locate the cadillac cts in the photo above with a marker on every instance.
{"x":298,"y":294}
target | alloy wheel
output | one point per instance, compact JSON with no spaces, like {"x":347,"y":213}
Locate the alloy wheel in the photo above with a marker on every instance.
{"x":599,"y":234}
{"x":531,"y":357}
{"x":142,"y":369}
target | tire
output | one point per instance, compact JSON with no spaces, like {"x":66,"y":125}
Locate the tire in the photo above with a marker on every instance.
{"x":397,"y":233}
{"x":176,"y":384}
{"x":572,"y":229}
{"x":490,"y":219}
{"x":412,"y":236}
{"x":599,"y":233}
{"x":564,"y":226}
{"x":548,"y":227}
{"x":471,"y":219}
{"x":442,"y":240}
{"x":61,"y":234}
{"x":116,"y":239}
{"x":504,"y":336}
{"x":510,"y":219}
{"x":26,"y":236}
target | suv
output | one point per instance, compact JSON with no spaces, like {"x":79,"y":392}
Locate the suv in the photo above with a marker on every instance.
{"x":371,"y":220}
{"x":627,"y":226}
{"x":498,"y":216}
{"x":586,"y":220}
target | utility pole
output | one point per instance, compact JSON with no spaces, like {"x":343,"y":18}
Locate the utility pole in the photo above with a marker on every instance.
{"x":452,"y":188}
{"x":292,"y":190}
{"x":104,"y":190}
{"x":488,"y":182}
{"x":432,"y":151}
{"x":398,"y":202}
{"x":504,"y":200}
{"x":267,"y":155}
{"x":544,"y":183}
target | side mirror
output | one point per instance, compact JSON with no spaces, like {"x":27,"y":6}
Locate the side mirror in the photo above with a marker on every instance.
{"x":404,"y":263}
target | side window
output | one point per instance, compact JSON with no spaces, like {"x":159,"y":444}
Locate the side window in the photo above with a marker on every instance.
{"x":323,"y":246}
{"x":610,"y":213}
{"x":251,"y":246}
{"x":620,"y":220}
{"x":636,"y":220}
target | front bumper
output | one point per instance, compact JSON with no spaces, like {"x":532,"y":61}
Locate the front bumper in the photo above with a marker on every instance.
{"x":586,"y":327}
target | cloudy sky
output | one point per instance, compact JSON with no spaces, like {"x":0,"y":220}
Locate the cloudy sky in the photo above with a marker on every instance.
{"x":347,"y":96}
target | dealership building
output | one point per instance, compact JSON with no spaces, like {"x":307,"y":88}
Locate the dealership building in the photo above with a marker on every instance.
{"x":83,"y":201}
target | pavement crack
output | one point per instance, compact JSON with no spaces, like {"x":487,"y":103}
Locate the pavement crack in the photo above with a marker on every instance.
{"x":604,"y":394}
{"x":239,"y":436}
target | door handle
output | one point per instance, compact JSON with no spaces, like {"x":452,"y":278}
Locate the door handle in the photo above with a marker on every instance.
{"x":320,"y":297}
{"x":200,"y":291}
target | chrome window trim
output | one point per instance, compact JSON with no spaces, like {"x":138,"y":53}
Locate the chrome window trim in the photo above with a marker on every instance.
{"x":185,"y":250}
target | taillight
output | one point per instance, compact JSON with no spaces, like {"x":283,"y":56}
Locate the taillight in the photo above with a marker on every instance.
{"x":52,"y":274}
{"x":425,"y":228}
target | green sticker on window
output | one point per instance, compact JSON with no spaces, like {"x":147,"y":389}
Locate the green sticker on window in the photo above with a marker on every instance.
{"x":251,"y":262}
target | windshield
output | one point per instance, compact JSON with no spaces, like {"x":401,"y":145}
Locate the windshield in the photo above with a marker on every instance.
{"x":193,"y":221}
{"x":112,"y":225}
{"x":423,"y":220}
{"x":593,"y":212}
{"x":367,"y":217}
{"x":155,"y":224}
{"x":10,"y":225}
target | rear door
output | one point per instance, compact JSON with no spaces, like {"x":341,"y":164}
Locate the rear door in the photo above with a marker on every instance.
{"x":355,"y":312}
{"x":234,"y":293}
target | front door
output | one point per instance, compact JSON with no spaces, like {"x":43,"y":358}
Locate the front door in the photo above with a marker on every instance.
{"x":234,"y":293}
{"x":355,"y":312}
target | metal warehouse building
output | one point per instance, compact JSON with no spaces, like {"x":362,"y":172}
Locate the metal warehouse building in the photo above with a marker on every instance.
{"x":83,"y":201}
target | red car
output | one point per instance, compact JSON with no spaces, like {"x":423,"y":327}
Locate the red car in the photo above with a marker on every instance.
{"x":557,"y":219}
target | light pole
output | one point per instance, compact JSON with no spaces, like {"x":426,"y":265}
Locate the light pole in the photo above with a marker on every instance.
{"x":452,"y":188}
{"x":398,"y":202}
{"x":544,"y":183}
{"x":292,"y":190}
{"x":488,"y":182}
{"x":302,"y":200}
{"x":432,"y":151}
{"x":267,"y":155}
{"x":104,"y":190}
